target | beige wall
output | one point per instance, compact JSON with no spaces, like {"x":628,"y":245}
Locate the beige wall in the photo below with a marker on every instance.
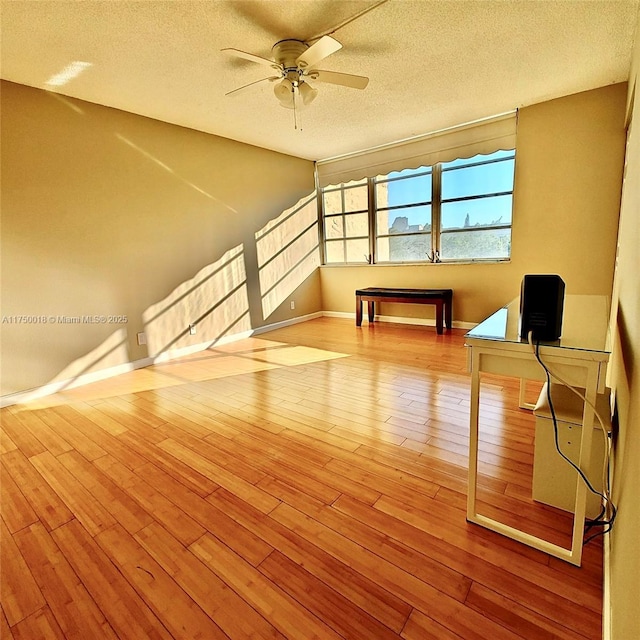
{"x":108,"y":213}
{"x":625,"y":380}
{"x":569,"y":160}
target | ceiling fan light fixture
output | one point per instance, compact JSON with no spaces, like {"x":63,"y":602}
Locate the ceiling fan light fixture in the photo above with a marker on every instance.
{"x":295,"y":62}
{"x":307,"y":93}
{"x":283,"y":90}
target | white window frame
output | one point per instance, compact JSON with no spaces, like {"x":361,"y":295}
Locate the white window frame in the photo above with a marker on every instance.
{"x":435,"y":201}
{"x":343,"y":188}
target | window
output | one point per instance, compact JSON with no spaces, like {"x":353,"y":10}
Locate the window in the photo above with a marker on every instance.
{"x":403,"y":215}
{"x":453,"y":211}
{"x":476,"y":205}
{"x":346,"y":222}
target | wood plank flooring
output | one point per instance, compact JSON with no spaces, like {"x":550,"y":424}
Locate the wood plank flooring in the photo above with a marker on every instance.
{"x":306,"y":483}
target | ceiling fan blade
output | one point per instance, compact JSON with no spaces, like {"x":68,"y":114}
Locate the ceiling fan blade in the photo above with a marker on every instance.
{"x":247,"y":86}
{"x":250,"y":56}
{"x":318,"y":51}
{"x":343,"y":79}
{"x":347,"y":21}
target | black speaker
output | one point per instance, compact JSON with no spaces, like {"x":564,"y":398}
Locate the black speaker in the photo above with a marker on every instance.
{"x":541,"y":305}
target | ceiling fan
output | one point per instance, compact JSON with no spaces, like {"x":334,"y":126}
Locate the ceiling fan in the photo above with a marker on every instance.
{"x":294,"y":63}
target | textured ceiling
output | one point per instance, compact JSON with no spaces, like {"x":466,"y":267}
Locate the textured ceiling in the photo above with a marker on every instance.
{"x":431,"y":63}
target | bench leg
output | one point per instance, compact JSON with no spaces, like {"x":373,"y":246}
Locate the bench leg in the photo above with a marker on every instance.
{"x":371,"y":310}
{"x":439,"y":316}
{"x":358,"y":311}
{"x":448,"y":315}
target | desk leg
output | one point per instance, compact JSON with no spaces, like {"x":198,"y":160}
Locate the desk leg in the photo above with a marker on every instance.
{"x":438,"y":304}
{"x":574,"y":554}
{"x":358,"y":311}
{"x":473,"y":435}
{"x":371,"y":310}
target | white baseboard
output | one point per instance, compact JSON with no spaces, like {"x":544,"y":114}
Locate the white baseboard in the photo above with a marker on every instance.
{"x":21,"y":397}
{"x":172,"y":354}
{"x":287,"y":323}
{"x":29,"y":395}
{"x":427,"y":322}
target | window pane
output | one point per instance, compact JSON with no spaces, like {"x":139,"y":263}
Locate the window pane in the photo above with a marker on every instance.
{"x":411,"y":248}
{"x":382,"y":249}
{"x":334,"y":227}
{"x":477,"y":213}
{"x":334,"y":251}
{"x":356,"y":199}
{"x":406,"y":191}
{"x":358,"y":250}
{"x":348,"y":225}
{"x":404,"y":220}
{"x":495,"y":177}
{"x":332,"y":202}
{"x":489,"y":243}
{"x":382,"y":195}
{"x":357,"y":224}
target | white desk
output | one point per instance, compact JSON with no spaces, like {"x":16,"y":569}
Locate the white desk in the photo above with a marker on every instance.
{"x":580,"y":357}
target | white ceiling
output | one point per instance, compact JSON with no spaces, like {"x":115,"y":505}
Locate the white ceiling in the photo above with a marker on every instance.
{"x":431,"y":63}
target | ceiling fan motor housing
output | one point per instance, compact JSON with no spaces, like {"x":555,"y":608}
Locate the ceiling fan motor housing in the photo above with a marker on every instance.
{"x":295,"y":62}
{"x":287,"y":52}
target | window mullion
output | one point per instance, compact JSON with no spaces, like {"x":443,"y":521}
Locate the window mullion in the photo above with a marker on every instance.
{"x":321,"y":230}
{"x":343,"y":206}
{"x":436,"y":209}
{"x":373,"y":209}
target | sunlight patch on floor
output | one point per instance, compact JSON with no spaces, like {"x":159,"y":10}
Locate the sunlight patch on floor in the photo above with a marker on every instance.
{"x":251,"y":355}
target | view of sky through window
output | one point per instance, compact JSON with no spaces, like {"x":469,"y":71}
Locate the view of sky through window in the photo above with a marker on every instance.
{"x":458,"y":181}
{"x":467,"y":201}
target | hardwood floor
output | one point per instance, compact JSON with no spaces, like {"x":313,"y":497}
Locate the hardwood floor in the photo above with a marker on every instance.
{"x":307,"y":483}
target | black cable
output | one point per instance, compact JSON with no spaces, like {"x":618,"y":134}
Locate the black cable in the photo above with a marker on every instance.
{"x":599,"y":533}
{"x":555,"y":427}
{"x":598,"y":521}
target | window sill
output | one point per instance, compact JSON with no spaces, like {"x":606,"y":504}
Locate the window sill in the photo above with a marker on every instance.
{"x":418,"y":264}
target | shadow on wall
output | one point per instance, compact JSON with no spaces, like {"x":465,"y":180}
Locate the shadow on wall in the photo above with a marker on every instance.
{"x":288,"y":253}
{"x":106,"y":356}
{"x":107,"y":213}
{"x":173,"y":173}
{"x":213,"y":304}
{"x":212,"y":307}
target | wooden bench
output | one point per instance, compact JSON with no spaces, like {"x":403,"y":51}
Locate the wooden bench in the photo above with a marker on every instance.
{"x":442,"y":298}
